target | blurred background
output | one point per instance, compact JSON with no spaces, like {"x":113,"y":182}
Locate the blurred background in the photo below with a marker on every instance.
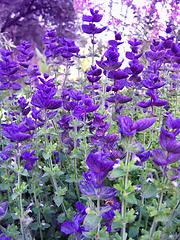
{"x":29,"y":19}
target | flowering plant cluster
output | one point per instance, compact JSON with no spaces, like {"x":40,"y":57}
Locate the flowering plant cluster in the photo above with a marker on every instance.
{"x":98,"y":158}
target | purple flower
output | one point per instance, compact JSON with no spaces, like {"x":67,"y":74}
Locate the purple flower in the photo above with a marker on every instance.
{"x":81,"y":110}
{"x":43,"y":98}
{"x":3,"y":209}
{"x":7,"y":152}
{"x":172,"y":123}
{"x":74,"y":227}
{"x":26,"y":54}
{"x":28,"y":156}
{"x":110,"y":217}
{"x":95,"y":16}
{"x":98,"y":164}
{"x":107,"y":192}
{"x":8,"y":71}
{"x":140,"y":158}
{"x":15,"y":132}
{"x":127,"y":127}
{"x":161,"y":159}
{"x":3,"y":237}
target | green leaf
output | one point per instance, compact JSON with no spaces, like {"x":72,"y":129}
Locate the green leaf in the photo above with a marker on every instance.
{"x":151,"y":191}
{"x":39,"y":54}
{"x":153,"y":213}
{"x":105,"y":209}
{"x":61,"y":218}
{"x":117,"y":172}
{"x":133,"y":231}
{"x":131,"y":198}
{"x":14,"y":196}
{"x":58,"y":200}
{"x":91,"y":221}
{"x":46,"y":155}
{"x":34,"y":226}
{"x":46,"y":174}
{"x":25,"y":173}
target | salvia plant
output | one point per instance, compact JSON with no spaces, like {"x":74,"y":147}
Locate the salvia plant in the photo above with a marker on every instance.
{"x":93,"y":158}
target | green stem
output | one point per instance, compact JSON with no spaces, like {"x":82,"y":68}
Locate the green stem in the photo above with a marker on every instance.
{"x":93,"y":51}
{"x":172,"y":215}
{"x":39,"y":216}
{"x":20,"y":195}
{"x":123,"y":206}
{"x":75,"y":164}
{"x":154,"y":224}
{"x":177,"y":93}
{"x":50,"y":163}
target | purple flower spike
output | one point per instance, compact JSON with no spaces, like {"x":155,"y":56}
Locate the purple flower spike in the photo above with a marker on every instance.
{"x":142,"y":124}
{"x":172,"y":122}
{"x":128,"y":128}
{"x":107,"y":192}
{"x":159,"y":157}
{"x":28,"y":156}
{"x":87,"y":188}
{"x":7,"y":152}
{"x":3,"y":209}
{"x":69,"y":227}
{"x":126,"y":125}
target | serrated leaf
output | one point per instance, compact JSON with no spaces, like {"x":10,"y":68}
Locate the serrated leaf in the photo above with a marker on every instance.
{"x":14,"y":196}
{"x":58,"y":200}
{"x":133,"y":231}
{"x":131,"y":198}
{"x":117,"y":172}
{"x":151,"y":191}
{"x":61,"y":218}
{"x":46,"y":174}
{"x":91,"y":222}
{"x":25,"y":173}
{"x":46,"y":155}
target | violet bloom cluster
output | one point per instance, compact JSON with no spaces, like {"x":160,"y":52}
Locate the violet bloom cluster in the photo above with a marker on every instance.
{"x":135,"y":68}
{"x":111,"y":63}
{"x":73,"y":227}
{"x":99,"y":165}
{"x":91,"y":28}
{"x":170,"y":152}
{"x":161,"y":53}
{"x":128,"y":128}
{"x":107,"y":142}
{"x":26,"y":54}
{"x":93,"y":76}
{"x":8,"y":71}
{"x":50,"y":41}
{"x":3,"y":209}
{"x":44,"y":97}
{"x":3,"y":237}
{"x":84,"y":107}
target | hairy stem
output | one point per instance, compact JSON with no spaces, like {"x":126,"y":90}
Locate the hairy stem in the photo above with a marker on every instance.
{"x":123,"y":206}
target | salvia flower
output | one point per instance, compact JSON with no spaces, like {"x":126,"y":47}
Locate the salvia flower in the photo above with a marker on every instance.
{"x":7,"y":152}
{"x":3,"y":209}
{"x":127,"y":127}
{"x":26,"y":54}
{"x":28,"y":157}
{"x":91,"y":27}
{"x":71,"y":227}
{"x":3,"y":237}
{"x":8,"y":71}
{"x":14,"y":132}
